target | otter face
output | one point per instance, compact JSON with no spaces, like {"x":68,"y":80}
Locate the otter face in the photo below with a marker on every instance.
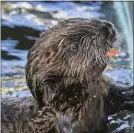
{"x":84,"y":45}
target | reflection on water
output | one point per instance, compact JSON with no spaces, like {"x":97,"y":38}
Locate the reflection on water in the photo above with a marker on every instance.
{"x":22,"y":23}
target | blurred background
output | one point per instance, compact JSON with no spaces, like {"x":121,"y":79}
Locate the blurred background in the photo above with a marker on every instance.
{"x":22,"y":23}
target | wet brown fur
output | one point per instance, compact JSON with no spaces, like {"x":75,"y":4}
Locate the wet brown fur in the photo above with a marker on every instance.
{"x":64,"y":74}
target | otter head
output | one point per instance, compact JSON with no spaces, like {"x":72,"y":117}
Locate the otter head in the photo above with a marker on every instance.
{"x":82,"y":45}
{"x":73,"y":49}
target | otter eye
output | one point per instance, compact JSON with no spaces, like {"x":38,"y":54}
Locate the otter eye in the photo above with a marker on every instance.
{"x":74,"y":48}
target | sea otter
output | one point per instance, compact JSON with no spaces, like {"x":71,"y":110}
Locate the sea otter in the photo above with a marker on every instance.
{"x":64,"y":73}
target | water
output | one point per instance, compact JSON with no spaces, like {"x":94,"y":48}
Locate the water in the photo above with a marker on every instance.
{"x":22,"y":23}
